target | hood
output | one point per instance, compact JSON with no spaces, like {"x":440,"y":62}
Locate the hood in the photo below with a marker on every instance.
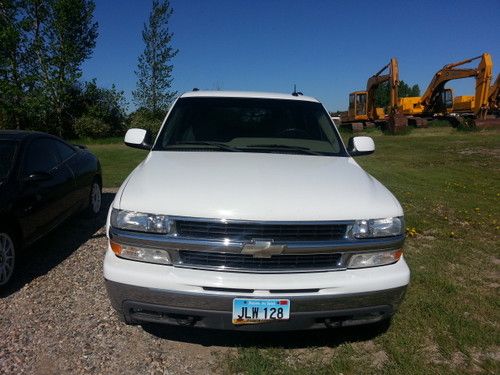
{"x":255,"y":186}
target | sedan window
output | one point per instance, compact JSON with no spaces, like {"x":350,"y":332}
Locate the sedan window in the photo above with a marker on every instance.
{"x":65,"y":151}
{"x":41,"y":156}
{"x":7,"y":152}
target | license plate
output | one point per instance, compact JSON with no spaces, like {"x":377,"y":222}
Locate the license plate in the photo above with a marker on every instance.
{"x":251,"y":311}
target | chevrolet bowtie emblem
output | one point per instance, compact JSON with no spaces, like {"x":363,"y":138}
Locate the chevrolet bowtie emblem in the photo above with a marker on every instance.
{"x":262,"y":248}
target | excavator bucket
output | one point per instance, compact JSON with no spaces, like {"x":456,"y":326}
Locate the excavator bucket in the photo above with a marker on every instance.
{"x":397,"y":123}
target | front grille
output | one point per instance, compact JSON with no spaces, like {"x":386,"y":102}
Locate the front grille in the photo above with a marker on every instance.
{"x":249,"y":231}
{"x":286,"y":262}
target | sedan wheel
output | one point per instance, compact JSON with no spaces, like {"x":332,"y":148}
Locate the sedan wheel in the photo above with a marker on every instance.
{"x":95,"y":198}
{"x":7,"y":258}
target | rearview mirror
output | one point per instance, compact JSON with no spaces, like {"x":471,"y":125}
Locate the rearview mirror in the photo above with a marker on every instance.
{"x":358,"y":146}
{"x":37,"y":177}
{"x":138,"y":138}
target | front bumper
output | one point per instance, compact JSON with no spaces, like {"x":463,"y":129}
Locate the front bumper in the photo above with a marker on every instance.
{"x":144,"y":292}
{"x":141,"y":304}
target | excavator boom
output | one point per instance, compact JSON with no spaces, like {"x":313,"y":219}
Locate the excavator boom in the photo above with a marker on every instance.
{"x":376,"y":80}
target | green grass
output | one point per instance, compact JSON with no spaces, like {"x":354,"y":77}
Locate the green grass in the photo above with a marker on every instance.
{"x":438,"y":124}
{"x":449,"y":185}
{"x":98,"y":141}
{"x":117,"y":161}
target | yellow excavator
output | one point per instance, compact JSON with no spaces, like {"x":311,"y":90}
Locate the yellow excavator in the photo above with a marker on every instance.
{"x":362,"y":109}
{"x":438,"y":100}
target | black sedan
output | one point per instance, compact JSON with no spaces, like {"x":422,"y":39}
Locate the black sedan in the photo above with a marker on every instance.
{"x":43,"y":181}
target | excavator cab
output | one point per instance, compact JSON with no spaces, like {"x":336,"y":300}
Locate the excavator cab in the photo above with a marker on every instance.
{"x":442,"y":101}
{"x":357,"y":106}
{"x":447,"y":100}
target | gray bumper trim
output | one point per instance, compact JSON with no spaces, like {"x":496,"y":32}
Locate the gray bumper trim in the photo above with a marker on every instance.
{"x":214,"y":310}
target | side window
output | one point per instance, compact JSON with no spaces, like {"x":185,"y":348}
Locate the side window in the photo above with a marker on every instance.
{"x":65,"y":151}
{"x":351,"y":101}
{"x":41,"y":156}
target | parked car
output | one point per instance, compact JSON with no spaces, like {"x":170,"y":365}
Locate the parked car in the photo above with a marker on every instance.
{"x":43,"y":181}
{"x":250,"y":213}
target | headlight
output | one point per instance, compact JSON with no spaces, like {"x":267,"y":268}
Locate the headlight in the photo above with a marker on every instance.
{"x":142,"y":222}
{"x":387,"y":227}
{"x":380,"y":258}
{"x":140,"y":254}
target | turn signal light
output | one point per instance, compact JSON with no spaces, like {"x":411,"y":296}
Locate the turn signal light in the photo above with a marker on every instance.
{"x":116,"y":247}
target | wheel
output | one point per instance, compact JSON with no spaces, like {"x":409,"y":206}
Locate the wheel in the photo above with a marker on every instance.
{"x":7,"y":257}
{"x":95,"y":199}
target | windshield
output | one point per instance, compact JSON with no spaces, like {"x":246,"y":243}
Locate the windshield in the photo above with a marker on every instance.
{"x":249,"y":125}
{"x":7,"y":152}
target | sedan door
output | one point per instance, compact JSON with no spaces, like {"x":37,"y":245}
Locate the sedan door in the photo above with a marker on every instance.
{"x":45,"y":185}
{"x":83,"y":175}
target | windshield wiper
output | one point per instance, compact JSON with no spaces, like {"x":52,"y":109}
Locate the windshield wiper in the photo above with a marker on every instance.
{"x":220,"y":146}
{"x":277,"y":147}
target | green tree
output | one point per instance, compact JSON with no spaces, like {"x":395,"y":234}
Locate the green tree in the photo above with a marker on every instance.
{"x":145,"y":119}
{"x":42,"y":46}
{"x":101,"y":111}
{"x":64,"y":36}
{"x":154,"y":71}
{"x":12,"y":65}
{"x":382,"y":93}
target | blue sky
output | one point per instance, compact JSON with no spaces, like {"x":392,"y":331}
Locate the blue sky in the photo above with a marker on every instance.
{"x":328,"y":48}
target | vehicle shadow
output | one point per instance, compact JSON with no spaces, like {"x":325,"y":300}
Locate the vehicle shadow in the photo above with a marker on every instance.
{"x":331,"y":337}
{"x":48,"y":252}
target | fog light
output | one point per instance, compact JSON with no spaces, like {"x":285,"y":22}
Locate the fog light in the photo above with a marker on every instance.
{"x":140,"y":254}
{"x":373,"y":259}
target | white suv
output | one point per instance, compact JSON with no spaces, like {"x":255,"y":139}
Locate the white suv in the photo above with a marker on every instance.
{"x":249,"y":213}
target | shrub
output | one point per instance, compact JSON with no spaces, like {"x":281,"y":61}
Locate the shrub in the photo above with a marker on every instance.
{"x":91,"y":127}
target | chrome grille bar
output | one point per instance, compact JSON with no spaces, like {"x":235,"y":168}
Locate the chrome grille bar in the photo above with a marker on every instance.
{"x":248,"y":262}
{"x":248,"y":231}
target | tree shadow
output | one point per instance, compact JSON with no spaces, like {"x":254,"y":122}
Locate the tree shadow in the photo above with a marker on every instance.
{"x":331,"y":337}
{"x":48,"y":252}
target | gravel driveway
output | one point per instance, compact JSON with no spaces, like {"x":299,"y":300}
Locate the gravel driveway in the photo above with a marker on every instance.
{"x":56,"y":317}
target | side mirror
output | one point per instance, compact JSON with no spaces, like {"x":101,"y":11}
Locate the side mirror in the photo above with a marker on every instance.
{"x":138,"y":138}
{"x":37,"y":177}
{"x":358,"y":146}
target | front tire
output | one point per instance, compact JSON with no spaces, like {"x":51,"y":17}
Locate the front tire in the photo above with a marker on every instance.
{"x":95,"y":199}
{"x":7,"y":257}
